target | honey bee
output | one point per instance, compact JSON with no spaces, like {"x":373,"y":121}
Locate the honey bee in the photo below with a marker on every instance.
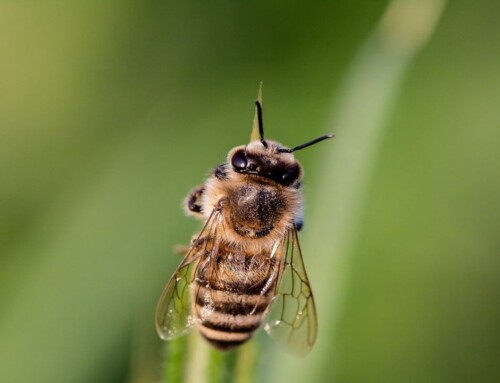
{"x":245,"y":267}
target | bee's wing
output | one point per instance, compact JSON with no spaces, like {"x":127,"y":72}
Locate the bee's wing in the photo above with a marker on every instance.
{"x":292,"y":319}
{"x":174,"y":315}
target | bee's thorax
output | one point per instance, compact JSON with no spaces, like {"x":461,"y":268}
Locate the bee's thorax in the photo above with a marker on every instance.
{"x":256,"y":212}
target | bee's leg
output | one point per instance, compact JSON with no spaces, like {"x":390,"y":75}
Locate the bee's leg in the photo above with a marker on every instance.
{"x":193,"y":201}
{"x":299,"y":224}
{"x":298,"y":221}
{"x":184,"y":249}
{"x":220,"y":172}
{"x":181,"y":249}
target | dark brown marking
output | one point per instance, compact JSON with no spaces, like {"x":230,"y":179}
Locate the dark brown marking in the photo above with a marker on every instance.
{"x":234,"y":308}
{"x":231,"y":327}
{"x":225,"y":344}
{"x":238,"y":287}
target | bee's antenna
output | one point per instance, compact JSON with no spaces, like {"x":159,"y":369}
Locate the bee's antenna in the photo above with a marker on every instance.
{"x":315,"y":141}
{"x":261,"y":124}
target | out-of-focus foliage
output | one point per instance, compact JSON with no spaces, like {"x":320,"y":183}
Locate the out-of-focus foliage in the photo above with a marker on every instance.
{"x":111,"y":111}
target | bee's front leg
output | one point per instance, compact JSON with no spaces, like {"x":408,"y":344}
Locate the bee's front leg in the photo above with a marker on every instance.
{"x":183,"y":250}
{"x":220,"y":172}
{"x":192,"y":203}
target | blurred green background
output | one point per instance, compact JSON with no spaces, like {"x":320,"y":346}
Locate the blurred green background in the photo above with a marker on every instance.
{"x":111,"y":112}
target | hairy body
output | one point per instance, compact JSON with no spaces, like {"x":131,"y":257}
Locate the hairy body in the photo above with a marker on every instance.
{"x":245,"y":267}
{"x":256,"y":213}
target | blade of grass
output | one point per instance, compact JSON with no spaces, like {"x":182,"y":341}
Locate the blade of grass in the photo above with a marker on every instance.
{"x":245,"y":363}
{"x":368,"y":95}
{"x":215,"y":367}
{"x":197,"y":360}
{"x":191,"y":359}
{"x":221,"y":368}
{"x":173,"y":368}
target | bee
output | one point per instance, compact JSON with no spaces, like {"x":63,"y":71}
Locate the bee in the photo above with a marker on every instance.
{"x":245,"y":268}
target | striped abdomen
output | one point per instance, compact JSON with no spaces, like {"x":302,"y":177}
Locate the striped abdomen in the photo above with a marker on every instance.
{"x":231,"y":295}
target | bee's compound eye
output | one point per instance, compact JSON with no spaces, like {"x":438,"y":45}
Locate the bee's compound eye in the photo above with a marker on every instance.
{"x":239,"y":160}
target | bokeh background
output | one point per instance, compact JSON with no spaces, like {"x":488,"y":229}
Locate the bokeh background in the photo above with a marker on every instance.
{"x":110,"y":112}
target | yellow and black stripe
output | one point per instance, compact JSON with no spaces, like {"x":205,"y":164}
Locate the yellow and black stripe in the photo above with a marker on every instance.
{"x":230,"y":309}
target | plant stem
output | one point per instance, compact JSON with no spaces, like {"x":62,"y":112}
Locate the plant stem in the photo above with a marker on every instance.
{"x":245,"y":363}
{"x":173,"y":368}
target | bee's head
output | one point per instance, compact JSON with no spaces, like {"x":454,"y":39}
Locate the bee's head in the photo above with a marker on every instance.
{"x":267,"y":162}
{"x":269,"y":159}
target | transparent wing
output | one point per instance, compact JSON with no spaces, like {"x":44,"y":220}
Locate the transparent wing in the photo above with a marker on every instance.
{"x":174,"y":315}
{"x":292,"y":319}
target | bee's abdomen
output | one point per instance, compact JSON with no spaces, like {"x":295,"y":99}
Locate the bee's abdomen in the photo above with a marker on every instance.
{"x":228,"y":319}
{"x":230,"y":309}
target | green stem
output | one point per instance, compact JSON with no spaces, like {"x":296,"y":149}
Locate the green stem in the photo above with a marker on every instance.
{"x":215,"y":367}
{"x":191,"y":359}
{"x":173,"y":368}
{"x":245,"y":363}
